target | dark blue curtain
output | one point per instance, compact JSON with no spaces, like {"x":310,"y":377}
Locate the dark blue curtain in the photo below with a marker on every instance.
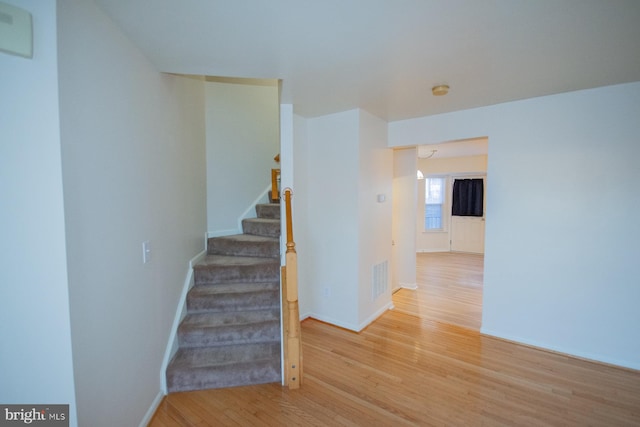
{"x":467,"y":197}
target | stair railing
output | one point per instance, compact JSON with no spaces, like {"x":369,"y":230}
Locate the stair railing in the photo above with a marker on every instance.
{"x":275,"y":185}
{"x":275,"y":181}
{"x":291,"y":312}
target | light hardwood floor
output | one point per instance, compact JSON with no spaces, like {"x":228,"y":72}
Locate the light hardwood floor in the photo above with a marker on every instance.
{"x":414,"y":367}
{"x":449,"y":289}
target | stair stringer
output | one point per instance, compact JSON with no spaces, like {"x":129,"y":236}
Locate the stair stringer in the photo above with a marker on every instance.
{"x":181,"y":310}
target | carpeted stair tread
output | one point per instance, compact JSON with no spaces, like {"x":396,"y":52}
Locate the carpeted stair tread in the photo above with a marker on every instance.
{"x":224,"y":260}
{"x":231,"y":333}
{"x":259,"y":371}
{"x":224,"y":355}
{"x":244,"y":245}
{"x":230,"y":287}
{"x":206,"y":331}
{"x":224,"y":269}
{"x":268,"y":210}
{"x":234,"y":296}
{"x":249,"y":317}
{"x":261,"y":227}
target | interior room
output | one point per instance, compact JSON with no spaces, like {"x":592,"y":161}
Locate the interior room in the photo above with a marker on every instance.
{"x":135,"y":132}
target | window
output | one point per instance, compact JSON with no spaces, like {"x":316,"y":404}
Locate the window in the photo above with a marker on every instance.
{"x":434,"y":203}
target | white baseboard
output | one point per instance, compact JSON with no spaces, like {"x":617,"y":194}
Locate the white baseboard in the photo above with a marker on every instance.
{"x":411,"y":286}
{"x":332,"y":321}
{"x":304,"y":316}
{"x":152,"y":409}
{"x":374,"y":316}
{"x":172,"y":343}
{"x":562,"y":350}
{"x":349,"y":326}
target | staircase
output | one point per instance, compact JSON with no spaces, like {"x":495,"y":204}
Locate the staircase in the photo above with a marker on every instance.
{"x":230,"y":335}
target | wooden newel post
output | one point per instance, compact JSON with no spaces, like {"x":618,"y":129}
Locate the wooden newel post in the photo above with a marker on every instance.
{"x":275,"y":190}
{"x":293,"y":351}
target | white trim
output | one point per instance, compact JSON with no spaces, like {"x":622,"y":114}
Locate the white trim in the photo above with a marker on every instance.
{"x":251,"y":210}
{"x":218,"y":233}
{"x":411,"y":286}
{"x":333,"y":321}
{"x":354,"y":328}
{"x":369,"y":320}
{"x":304,"y":316}
{"x":172,"y":343}
{"x":152,"y":409}
{"x":559,"y":349}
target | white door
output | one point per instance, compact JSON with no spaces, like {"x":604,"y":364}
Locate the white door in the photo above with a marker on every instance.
{"x":467,"y":232}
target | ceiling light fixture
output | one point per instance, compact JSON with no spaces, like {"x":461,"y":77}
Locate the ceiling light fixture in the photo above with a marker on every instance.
{"x":433,"y":152}
{"x":440,"y":90}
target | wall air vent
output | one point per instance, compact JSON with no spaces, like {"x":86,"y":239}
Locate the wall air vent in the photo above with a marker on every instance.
{"x":380,"y":279}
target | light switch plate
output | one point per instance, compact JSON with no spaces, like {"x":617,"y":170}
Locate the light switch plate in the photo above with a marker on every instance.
{"x":146,"y":251}
{"x":16,"y":32}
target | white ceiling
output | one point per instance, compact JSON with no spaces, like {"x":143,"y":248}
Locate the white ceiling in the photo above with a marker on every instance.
{"x":385,"y":55}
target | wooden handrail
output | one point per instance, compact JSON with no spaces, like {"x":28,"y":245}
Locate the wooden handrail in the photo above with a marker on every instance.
{"x":291,"y":312}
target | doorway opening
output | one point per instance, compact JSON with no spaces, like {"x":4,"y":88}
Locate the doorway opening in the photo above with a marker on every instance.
{"x":449,"y":245}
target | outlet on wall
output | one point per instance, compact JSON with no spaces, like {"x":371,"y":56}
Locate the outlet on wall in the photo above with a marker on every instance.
{"x":326,"y":292}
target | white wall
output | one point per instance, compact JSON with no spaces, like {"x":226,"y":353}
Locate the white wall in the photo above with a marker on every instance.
{"x":404,"y":218}
{"x":562,"y":230}
{"x":453,"y":165}
{"x":133,"y":146}
{"x":286,"y":171}
{"x":375,"y":165}
{"x":341,"y":164}
{"x":286,"y":146}
{"x":242,"y":129}
{"x":301,"y":200}
{"x":35,"y":355}
{"x":330,"y":263}
{"x":447,"y":167}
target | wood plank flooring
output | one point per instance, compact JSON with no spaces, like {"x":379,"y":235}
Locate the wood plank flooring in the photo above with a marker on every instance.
{"x":409,"y":368}
{"x":449,"y":289}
